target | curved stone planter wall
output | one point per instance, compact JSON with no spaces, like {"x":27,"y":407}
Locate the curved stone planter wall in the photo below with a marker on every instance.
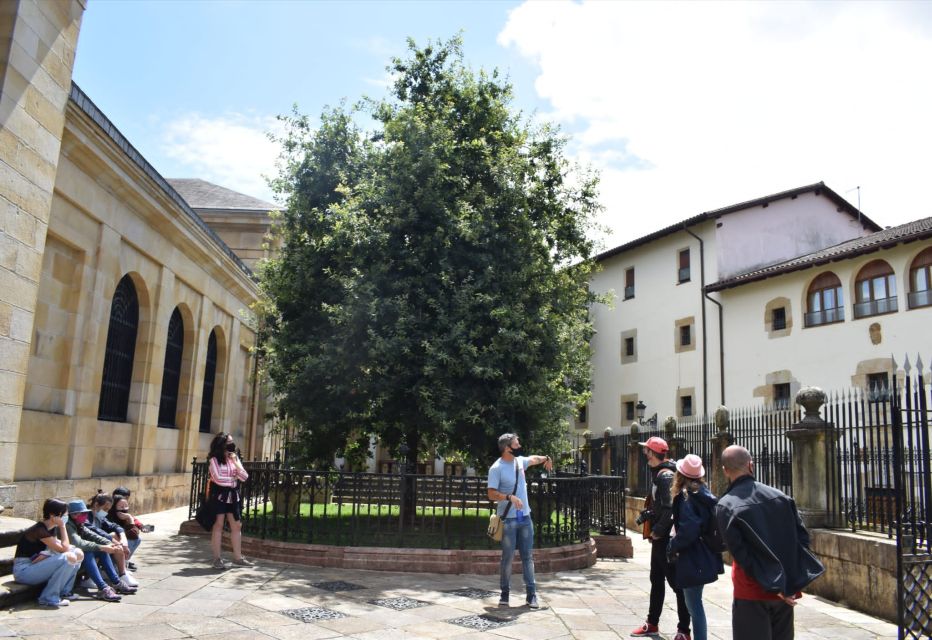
{"x":479,"y":562}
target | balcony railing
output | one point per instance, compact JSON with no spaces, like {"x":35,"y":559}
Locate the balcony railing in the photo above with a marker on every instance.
{"x":825,"y":316}
{"x":629,"y":292}
{"x":875,"y":307}
{"x":920,"y":299}
{"x":684,"y":274}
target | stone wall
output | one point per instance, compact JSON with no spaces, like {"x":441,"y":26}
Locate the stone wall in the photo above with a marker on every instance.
{"x":150,"y":493}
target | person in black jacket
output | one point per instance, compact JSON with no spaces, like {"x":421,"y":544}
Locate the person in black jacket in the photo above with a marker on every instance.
{"x":659,"y":514}
{"x":693,"y":515}
{"x":770,"y":549}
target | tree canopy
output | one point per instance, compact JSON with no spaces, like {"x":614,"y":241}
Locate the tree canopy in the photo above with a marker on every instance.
{"x":431,"y":287}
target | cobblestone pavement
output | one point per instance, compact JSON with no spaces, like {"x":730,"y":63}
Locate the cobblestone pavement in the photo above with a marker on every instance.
{"x":182,"y":597}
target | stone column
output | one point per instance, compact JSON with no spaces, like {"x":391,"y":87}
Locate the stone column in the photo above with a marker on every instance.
{"x":634,"y":453}
{"x":810,"y":439}
{"x":607,"y":452}
{"x":37,"y":45}
{"x":676,"y":443}
{"x":722,"y":439}
{"x":587,"y":452}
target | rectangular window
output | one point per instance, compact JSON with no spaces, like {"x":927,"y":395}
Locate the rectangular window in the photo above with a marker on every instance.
{"x":686,"y":406}
{"x":686,"y":335}
{"x":629,"y":346}
{"x":629,"y":410}
{"x":781,"y":396}
{"x":778,"y":318}
{"x":878,"y":387}
{"x":582,"y":414}
{"x":684,"y":266}
{"x":629,"y":283}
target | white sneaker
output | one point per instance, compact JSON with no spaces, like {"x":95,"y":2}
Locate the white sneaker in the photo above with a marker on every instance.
{"x":130,"y":579}
{"x":126,"y":585}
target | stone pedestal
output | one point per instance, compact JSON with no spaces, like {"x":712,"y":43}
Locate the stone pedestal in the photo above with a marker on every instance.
{"x":810,"y":438}
{"x":613,"y":547}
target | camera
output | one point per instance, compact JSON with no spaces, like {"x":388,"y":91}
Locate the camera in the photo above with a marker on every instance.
{"x":644,"y":516}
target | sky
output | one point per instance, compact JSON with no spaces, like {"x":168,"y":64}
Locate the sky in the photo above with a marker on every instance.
{"x":681,"y":107}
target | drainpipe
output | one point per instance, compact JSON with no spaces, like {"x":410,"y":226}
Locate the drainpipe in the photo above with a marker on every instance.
{"x":721,"y":332}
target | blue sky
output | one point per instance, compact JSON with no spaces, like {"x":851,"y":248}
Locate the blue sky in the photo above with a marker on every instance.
{"x":682,"y":106}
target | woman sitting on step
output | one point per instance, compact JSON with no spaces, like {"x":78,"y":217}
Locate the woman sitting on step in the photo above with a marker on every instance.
{"x":97,"y":548}
{"x":45,"y":555}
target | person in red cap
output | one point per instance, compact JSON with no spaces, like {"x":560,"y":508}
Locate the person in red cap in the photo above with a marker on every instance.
{"x":658,"y":514}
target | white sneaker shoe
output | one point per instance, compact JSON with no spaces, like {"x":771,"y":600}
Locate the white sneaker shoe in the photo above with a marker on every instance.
{"x":130,"y":579}
{"x":125,"y":585}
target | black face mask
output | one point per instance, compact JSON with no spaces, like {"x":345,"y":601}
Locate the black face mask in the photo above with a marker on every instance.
{"x":231,"y":447}
{"x":516,"y":451}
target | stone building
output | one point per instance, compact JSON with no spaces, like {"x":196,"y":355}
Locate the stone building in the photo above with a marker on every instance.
{"x":743,"y":305}
{"x":125,"y":324}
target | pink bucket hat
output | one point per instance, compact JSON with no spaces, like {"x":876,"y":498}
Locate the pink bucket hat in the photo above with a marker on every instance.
{"x":691,"y":467}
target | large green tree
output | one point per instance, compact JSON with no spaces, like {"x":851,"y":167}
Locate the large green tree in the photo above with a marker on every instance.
{"x":431,"y":285}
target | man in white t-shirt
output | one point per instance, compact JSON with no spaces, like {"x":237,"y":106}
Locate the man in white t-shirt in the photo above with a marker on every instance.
{"x":507,"y":485}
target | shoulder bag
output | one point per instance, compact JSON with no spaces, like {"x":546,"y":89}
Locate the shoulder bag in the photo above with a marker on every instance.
{"x":496,"y":522}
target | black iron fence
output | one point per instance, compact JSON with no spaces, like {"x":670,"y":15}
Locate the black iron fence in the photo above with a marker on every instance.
{"x":412,"y":510}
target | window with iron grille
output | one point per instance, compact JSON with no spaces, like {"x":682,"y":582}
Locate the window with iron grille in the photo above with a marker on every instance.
{"x":683,"y":272}
{"x":210,"y":375}
{"x":629,"y":283}
{"x":781,"y":396}
{"x":778,"y":319}
{"x":686,"y":335}
{"x":686,"y":406}
{"x":171,"y":371}
{"x":878,"y":387}
{"x":120,"y":351}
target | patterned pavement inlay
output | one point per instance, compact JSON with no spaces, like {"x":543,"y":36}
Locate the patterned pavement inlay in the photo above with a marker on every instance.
{"x":337,"y":585}
{"x":311,"y":614}
{"x":482,"y":622}
{"x":470,"y":592}
{"x":400,"y":603}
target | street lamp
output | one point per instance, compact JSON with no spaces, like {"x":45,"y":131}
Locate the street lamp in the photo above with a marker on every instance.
{"x":639,"y":408}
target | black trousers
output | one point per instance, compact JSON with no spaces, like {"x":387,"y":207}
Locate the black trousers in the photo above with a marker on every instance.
{"x":761,"y":620}
{"x":661,"y":572}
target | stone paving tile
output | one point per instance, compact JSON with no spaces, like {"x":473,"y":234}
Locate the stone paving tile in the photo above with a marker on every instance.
{"x":183,"y":597}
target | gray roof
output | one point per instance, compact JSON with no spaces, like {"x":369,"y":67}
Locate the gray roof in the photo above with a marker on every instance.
{"x":817,"y":188}
{"x":892,"y":236}
{"x":201,"y":194}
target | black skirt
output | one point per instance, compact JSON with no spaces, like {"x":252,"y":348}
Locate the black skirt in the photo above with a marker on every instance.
{"x":226,"y":500}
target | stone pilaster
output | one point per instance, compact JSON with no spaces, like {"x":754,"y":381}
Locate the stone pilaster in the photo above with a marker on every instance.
{"x":720,"y":441}
{"x":37,"y":47}
{"x":607,"y":452}
{"x":810,"y":439}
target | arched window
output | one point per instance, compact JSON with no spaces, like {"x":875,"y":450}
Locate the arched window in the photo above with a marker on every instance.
{"x":171,"y":373}
{"x":825,"y":301}
{"x":875,"y":290}
{"x":920,"y":280}
{"x":118,"y":358}
{"x":210,"y":374}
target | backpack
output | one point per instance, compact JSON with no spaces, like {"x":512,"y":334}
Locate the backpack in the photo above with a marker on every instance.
{"x":712,"y":536}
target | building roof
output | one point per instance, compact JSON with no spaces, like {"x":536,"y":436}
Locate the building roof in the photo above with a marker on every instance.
{"x":818,"y":188}
{"x":909,"y":232}
{"x":201,"y":194}
{"x":92,"y":111}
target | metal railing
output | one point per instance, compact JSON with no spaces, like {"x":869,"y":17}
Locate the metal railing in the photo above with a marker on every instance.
{"x":916,"y":299}
{"x":825,"y":316}
{"x":411,"y":510}
{"x":875,"y":307}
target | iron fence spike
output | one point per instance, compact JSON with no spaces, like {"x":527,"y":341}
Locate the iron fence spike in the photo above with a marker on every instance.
{"x":919,"y":363}
{"x":906,"y":365}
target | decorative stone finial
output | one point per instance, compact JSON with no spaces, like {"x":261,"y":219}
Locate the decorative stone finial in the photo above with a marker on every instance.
{"x":669,"y":426}
{"x":722,"y":416}
{"x":607,"y":433}
{"x":811,"y":399}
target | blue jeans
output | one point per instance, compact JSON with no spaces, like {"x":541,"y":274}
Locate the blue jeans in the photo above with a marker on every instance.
{"x":54,"y":571}
{"x":693,"y":598}
{"x":132,"y":544}
{"x":520,"y":536}
{"x":93,"y":572}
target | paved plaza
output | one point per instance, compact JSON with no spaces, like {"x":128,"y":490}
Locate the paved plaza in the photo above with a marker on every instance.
{"x":181,"y":597}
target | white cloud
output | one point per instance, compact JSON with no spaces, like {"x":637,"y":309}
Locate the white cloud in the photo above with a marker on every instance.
{"x":232,"y":150}
{"x":691,"y":106}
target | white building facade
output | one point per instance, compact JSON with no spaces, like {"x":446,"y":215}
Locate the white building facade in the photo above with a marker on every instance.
{"x":668,"y":338}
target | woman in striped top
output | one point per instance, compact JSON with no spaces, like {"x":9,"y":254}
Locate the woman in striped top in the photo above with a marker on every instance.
{"x":226,"y":473}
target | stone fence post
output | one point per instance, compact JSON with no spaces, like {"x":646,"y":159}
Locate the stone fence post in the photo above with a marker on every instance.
{"x":722,"y":439}
{"x":634,"y":453}
{"x":676,"y":443}
{"x":810,"y":438}
{"x":607,"y":452}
